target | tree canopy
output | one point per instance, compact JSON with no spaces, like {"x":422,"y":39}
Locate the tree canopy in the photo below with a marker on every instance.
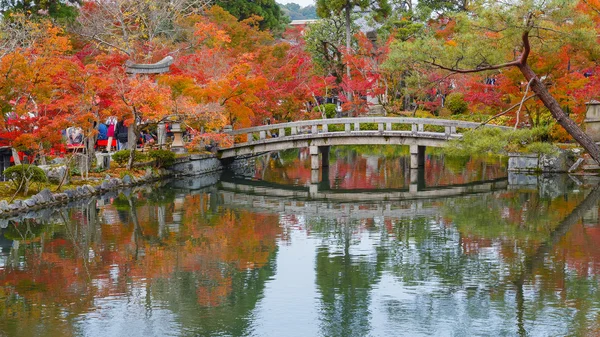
{"x":272,"y":16}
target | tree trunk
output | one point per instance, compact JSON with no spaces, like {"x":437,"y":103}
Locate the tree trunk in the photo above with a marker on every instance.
{"x":573,"y":129}
{"x":348,"y":42}
{"x":15,"y":155}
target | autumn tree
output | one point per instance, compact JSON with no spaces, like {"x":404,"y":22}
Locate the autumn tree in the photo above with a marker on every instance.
{"x":138,"y":99}
{"x":136,"y":28}
{"x":325,"y":42}
{"x":272,"y":16}
{"x":58,"y":9}
{"x":31,"y":82}
{"x":509,"y":36}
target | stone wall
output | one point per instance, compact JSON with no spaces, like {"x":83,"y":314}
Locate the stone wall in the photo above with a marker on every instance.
{"x":533,"y":162}
{"x":196,"y":164}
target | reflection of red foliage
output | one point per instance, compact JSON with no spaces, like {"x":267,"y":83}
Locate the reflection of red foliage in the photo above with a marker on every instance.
{"x":472,"y":245}
{"x":581,"y":248}
{"x":377,"y":172}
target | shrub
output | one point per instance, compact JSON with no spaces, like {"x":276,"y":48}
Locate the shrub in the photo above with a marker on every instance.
{"x":22,"y":176}
{"x":455,"y":102}
{"x":163,"y":158}
{"x":122,"y":157}
{"x":330,"y":110}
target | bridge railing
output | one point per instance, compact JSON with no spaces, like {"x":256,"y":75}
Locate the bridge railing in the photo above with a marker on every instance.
{"x":353,"y":125}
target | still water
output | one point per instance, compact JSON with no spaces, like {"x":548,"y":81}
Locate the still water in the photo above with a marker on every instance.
{"x":468,"y":254}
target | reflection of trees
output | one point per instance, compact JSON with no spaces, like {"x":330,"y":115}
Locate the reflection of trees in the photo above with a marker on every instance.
{"x":376,"y":167}
{"x":215,"y":266}
{"x":228,"y":316}
{"x":524,"y":232}
{"x":345,"y":280}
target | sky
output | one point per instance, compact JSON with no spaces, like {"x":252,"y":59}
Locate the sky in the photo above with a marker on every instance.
{"x":302,"y":3}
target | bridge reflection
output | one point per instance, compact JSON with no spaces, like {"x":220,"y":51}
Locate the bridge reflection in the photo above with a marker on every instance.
{"x":320,"y":189}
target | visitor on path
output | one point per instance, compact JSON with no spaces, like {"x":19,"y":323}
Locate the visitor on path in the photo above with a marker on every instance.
{"x":121,"y":135}
{"x":111,"y":124}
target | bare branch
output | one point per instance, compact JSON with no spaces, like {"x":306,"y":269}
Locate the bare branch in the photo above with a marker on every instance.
{"x":522,"y":101}
{"x":507,"y":110}
{"x":476,"y":70}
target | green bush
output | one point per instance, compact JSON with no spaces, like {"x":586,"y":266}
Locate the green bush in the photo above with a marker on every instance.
{"x":21,"y":176}
{"x":330,"y":109}
{"x":496,"y":141}
{"x":163,"y":158}
{"x":455,"y":102}
{"x":122,"y":157}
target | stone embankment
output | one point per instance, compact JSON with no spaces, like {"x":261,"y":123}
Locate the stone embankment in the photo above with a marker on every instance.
{"x":186,"y":166}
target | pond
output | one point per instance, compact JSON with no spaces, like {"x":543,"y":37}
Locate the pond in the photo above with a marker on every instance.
{"x":257,"y":255}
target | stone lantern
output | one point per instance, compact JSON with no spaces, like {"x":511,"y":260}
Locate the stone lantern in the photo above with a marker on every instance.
{"x":592,"y":120}
{"x":177,"y":146}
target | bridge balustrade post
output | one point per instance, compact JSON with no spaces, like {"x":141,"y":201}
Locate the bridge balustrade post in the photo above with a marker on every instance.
{"x":347,"y":128}
{"x":413,"y":128}
{"x":250,"y":137}
{"x":420,"y":127}
{"x":263,"y":134}
{"x":380,"y":127}
{"x":325,"y":127}
{"x":281,"y":132}
{"x":388,"y":126}
{"x":356,"y":126}
{"x":314,"y":129}
{"x":294,"y":130}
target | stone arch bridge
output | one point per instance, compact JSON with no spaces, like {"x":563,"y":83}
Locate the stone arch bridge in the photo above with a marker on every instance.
{"x":319,"y":135}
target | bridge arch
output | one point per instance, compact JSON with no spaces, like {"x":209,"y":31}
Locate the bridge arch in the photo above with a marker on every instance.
{"x":319,"y":135}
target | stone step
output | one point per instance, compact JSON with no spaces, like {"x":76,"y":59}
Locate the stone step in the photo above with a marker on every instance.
{"x":591,"y":167}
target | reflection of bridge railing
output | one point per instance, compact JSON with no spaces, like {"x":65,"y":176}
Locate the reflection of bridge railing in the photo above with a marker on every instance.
{"x":415,"y":132}
{"x":312,"y":192}
{"x":324,"y":209}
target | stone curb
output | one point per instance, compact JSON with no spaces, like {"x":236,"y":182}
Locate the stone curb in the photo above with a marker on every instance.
{"x":46,"y":198}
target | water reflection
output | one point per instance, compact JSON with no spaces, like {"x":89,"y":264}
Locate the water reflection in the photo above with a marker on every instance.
{"x":197,"y":259}
{"x":373,"y":167}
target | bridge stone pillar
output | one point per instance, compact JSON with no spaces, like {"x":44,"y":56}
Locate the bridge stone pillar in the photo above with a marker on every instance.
{"x":417,"y":180}
{"x":314,"y":157}
{"x":314,"y":177}
{"x":417,"y":156}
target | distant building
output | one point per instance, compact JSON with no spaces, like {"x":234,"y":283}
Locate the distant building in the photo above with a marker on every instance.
{"x":302,"y":24}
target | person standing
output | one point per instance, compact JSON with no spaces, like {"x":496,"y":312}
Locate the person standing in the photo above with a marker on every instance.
{"x":121,"y":135}
{"x":111,"y":124}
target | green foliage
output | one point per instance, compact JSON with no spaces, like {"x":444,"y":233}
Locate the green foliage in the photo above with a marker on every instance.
{"x":121,"y":157}
{"x":330,"y":109}
{"x":455,"y":102}
{"x":163,"y":158}
{"x":324,"y":42}
{"x":62,"y":10}
{"x":21,"y":176}
{"x":272,"y":16}
{"x":295,"y":12}
{"x":378,"y":9}
{"x":18,"y":173}
{"x":541,"y":148}
{"x":497,"y":141}
{"x":369,"y":126}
